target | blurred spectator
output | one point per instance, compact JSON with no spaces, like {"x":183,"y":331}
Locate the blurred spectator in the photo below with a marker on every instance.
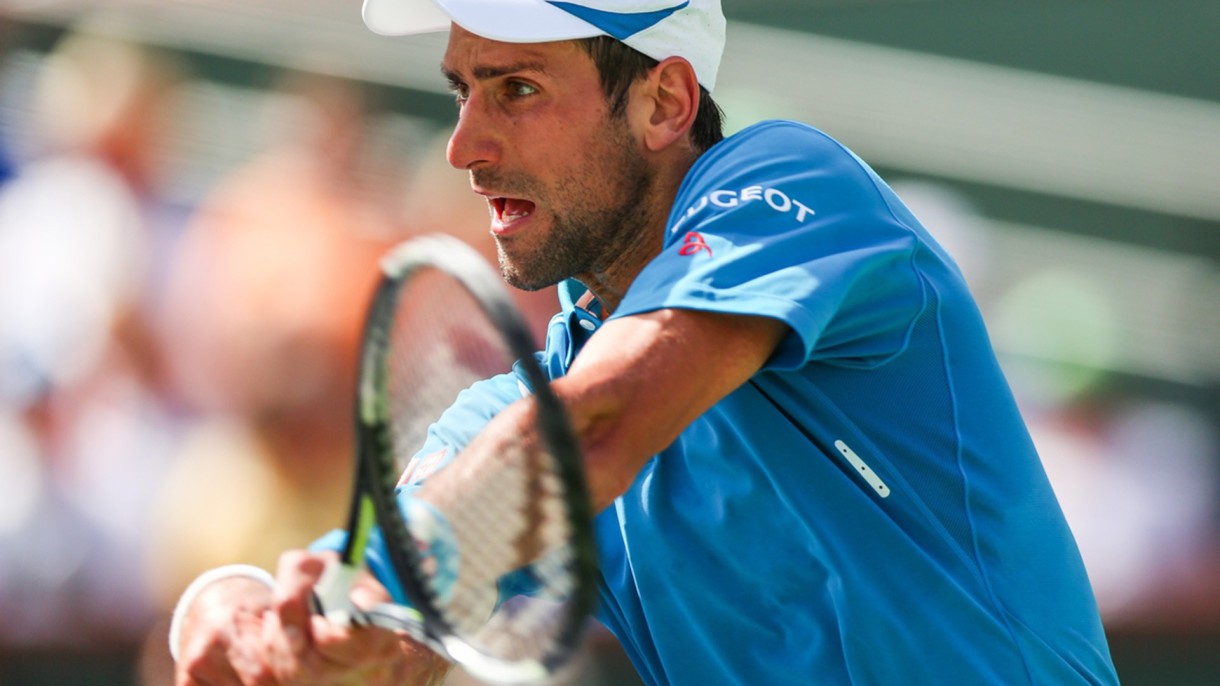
{"x":6,"y":162}
{"x":1137,"y":479}
{"x":85,"y":432}
{"x":266,"y":299}
{"x":1138,"y":483}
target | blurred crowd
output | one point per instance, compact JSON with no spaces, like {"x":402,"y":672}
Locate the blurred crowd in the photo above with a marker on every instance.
{"x":176,"y":370}
{"x":176,"y":373}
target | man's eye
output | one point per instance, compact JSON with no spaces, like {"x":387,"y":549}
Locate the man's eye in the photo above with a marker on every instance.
{"x":517,"y":89}
{"x":459,"y":92}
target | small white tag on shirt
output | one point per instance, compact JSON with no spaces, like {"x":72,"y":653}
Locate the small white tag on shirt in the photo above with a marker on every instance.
{"x":865,"y":471}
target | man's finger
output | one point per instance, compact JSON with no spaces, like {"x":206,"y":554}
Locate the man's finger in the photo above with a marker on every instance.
{"x":208,"y":659}
{"x":343,"y":645}
{"x":373,"y":656}
{"x":286,"y":633}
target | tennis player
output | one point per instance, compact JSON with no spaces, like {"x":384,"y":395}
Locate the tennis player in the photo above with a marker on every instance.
{"x":808,"y":465}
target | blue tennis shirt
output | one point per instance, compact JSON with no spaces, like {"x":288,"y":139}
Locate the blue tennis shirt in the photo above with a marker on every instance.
{"x":869,"y":507}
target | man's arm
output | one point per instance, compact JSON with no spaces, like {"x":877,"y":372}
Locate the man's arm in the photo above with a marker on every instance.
{"x":641,"y":380}
{"x":632,"y":389}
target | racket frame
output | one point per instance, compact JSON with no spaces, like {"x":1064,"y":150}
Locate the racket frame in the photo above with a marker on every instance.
{"x":376,"y":476}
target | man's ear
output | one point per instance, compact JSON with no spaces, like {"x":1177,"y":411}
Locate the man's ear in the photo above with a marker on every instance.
{"x":671,"y":101}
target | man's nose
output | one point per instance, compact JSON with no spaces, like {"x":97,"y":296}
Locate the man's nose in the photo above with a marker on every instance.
{"x":472,"y":144}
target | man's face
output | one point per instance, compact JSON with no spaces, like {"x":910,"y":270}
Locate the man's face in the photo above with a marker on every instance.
{"x":565,"y":183}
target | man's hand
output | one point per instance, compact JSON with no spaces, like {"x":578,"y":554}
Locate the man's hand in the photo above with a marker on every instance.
{"x":240,"y":633}
{"x":226,"y":615}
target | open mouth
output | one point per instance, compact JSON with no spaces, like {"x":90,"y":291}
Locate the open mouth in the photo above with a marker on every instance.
{"x":508,"y":210}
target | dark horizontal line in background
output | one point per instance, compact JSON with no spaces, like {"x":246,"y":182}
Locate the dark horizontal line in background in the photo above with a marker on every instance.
{"x":1174,"y":233}
{"x":1168,"y":46}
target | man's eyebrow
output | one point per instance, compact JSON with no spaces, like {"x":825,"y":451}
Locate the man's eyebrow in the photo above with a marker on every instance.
{"x":452,"y":78}
{"x":481,"y":73}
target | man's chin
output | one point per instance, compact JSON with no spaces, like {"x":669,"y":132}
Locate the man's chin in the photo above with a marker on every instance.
{"x":524,"y":279}
{"x":514,"y":280}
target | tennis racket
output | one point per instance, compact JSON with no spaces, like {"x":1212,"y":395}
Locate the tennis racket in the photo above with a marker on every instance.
{"x":441,"y":320}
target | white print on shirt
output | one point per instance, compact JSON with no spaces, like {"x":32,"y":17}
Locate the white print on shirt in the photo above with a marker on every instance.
{"x":422,"y":466}
{"x":865,"y":471}
{"x":776,"y":199}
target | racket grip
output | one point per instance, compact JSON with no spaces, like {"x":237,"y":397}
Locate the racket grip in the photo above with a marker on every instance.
{"x":331,"y":597}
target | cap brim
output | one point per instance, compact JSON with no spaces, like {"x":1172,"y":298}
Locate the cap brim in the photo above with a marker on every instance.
{"x":513,"y":21}
{"x":403,"y":17}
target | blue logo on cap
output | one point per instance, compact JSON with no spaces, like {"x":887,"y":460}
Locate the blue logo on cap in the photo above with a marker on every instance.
{"x":619,"y":25}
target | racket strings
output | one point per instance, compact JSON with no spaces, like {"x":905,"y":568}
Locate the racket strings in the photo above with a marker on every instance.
{"x":441,"y":343}
{"x":527,"y":519}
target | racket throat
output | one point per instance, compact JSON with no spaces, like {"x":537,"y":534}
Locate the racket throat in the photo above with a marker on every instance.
{"x":332,"y":594}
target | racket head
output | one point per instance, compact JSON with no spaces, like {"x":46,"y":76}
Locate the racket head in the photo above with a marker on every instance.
{"x":440,"y":321}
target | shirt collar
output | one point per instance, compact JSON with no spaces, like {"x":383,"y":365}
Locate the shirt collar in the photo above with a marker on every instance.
{"x":581,"y":314}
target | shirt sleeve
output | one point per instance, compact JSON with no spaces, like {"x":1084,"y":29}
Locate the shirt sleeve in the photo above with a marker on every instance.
{"x":458,"y":425}
{"x":781,"y":221}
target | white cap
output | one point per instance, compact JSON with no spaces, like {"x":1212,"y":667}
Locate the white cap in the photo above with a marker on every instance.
{"x":690,"y":29}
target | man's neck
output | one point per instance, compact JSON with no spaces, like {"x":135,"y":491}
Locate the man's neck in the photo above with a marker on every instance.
{"x":611,"y":284}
